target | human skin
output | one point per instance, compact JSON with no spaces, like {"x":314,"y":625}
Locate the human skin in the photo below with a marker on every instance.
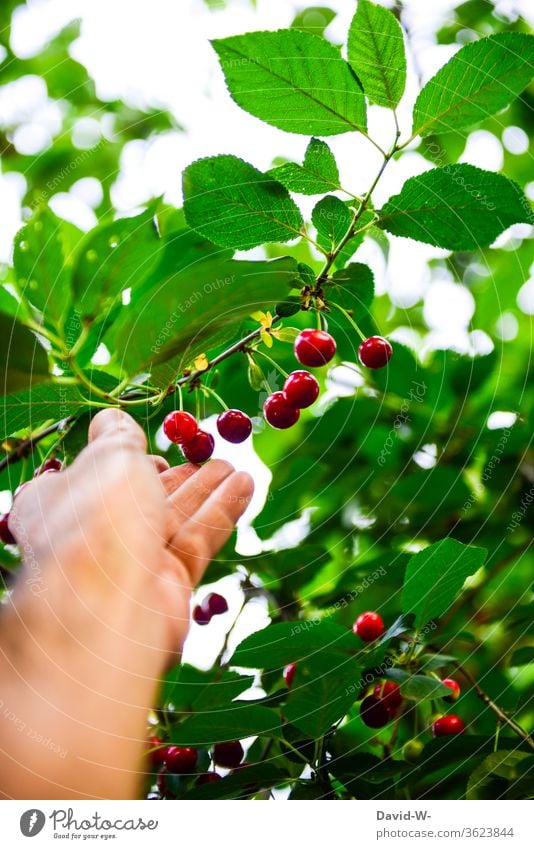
{"x":112,"y":548}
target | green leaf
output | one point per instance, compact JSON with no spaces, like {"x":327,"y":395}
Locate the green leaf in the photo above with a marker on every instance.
{"x":352,"y":288}
{"x":289,"y":642}
{"x":112,"y":258}
{"x":331,"y":218}
{"x":246,"y":781}
{"x":23,"y":360}
{"x":317,"y":174}
{"x":314,"y":19}
{"x":523,"y":656}
{"x":479,"y":80}
{"x":505,"y":767}
{"x":39,"y":260}
{"x":181,"y":316}
{"x":29,"y":408}
{"x":348,"y":251}
{"x":319,"y":696}
{"x":233,"y":722}
{"x":458,"y":207}
{"x":420,"y":687}
{"x":188,"y":688}
{"x":435,"y":576}
{"x":293,"y":80}
{"x":376,"y":52}
{"x":236,"y":206}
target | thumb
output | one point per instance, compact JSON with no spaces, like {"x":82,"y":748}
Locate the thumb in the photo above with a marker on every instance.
{"x":118,"y":428}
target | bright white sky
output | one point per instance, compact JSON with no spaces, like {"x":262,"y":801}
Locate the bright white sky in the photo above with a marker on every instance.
{"x":159,"y":56}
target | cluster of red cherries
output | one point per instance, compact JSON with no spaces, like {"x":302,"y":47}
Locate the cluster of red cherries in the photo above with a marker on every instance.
{"x":313,"y":348}
{"x":383,"y":703}
{"x":182,"y":760}
{"x":52,"y":464}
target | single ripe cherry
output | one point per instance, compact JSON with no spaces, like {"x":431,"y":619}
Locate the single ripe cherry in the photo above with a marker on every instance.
{"x":369,"y":626}
{"x":375,"y":352}
{"x":234,"y":426}
{"x":201,"y":615}
{"x":157,"y":753}
{"x":301,"y":389}
{"x":180,"y":759}
{"x":208,"y":778}
{"x":374,"y":712}
{"x":448,"y":725}
{"x":215,"y":604}
{"x":180,"y":427}
{"x":389,"y":693}
{"x":5,"y":534}
{"x":454,"y":688}
{"x":279,"y":412}
{"x":314,"y":348}
{"x":200,"y":448}
{"x":53,"y":464}
{"x":228,"y":755}
{"x":289,"y":673}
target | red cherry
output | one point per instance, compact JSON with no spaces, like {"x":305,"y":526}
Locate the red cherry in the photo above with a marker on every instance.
{"x":278,"y":411}
{"x":201,"y":616}
{"x":53,"y":464}
{"x":374,"y":712}
{"x":157,"y":755}
{"x":180,"y":427}
{"x":208,"y":778}
{"x":314,"y":348}
{"x":289,"y":673}
{"x":301,"y":389}
{"x":375,"y":352}
{"x":5,"y":534}
{"x":200,"y":448}
{"x":369,"y":626}
{"x":448,"y":725}
{"x":228,"y":755}
{"x":180,"y":759}
{"x":454,"y":687}
{"x":215,"y":604}
{"x":389,"y":693}
{"x":234,"y":426}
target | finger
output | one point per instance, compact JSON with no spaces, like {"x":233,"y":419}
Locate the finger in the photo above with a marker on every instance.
{"x":199,"y":540}
{"x":173,"y":478}
{"x":160,"y":463}
{"x":112,"y":427}
{"x":197,"y":489}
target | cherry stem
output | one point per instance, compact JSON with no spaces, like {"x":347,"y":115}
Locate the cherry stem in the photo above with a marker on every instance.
{"x":502,"y":716}
{"x":209,"y":391}
{"x":349,"y":319}
{"x":271,"y":361}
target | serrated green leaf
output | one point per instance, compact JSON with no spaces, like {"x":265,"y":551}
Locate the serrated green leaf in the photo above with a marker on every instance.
{"x":293,"y":80}
{"x":376,"y":53}
{"x":189,"y":688}
{"x":23,"y":360}
{"x":221,"y":724}
{"x":317,"y":174}
{"x":46,"y":401}
{"x":331,"y":218}
{"x":235,"y":205}
{"x":479,"y":80}
{"x":516,"y":768}
{"x":319,"y":697}
{"x":458,"y":207}
{"x":180,"y":317}
{"x":435,"y":576}
{"x":42,"y":272}
{"x":421,"y":687}
{"x":348,"y":251}
{"x":112,"y":258}
{"x":289,"y":642}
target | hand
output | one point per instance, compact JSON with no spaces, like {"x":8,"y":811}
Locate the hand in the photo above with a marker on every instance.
{"x":112,"y":548}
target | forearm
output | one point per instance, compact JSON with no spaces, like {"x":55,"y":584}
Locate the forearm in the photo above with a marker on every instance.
{"x":76,"y":688}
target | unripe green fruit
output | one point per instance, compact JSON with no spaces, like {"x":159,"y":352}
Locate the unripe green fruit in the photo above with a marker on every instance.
{"x":411,"y":751}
